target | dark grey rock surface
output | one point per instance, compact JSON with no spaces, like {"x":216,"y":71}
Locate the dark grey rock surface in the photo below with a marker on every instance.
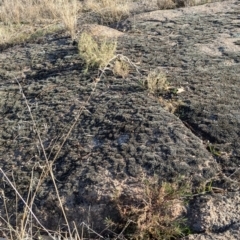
{"x":123,"y":134}
{"x":199,"y":47}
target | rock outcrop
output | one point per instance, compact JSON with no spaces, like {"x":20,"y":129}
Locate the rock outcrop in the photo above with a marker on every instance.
{"x":123,"y":133}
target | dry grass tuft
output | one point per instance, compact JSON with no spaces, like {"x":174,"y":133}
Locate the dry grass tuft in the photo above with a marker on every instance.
{"x":94,"y":53}
{"x":6,"y":34}
{"x":156,"y":81}
{"x":33,"y":15}
{"x":109,"y":11}
{"x":67,"y":12}
{"x":121,"y":68}
{"x":160,"y":214}
{"x":13,"y":34}
{"x":170,"y":105}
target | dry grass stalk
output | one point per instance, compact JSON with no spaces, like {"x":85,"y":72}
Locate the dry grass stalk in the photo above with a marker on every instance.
{"x":6,"y":34}
{"x":27,"y":16}
{"x":67,"y":12}
{"x":27,"y":214}
{"x":13,"y":34}
{"x":69,"y":17}
{"x":25,"y":11}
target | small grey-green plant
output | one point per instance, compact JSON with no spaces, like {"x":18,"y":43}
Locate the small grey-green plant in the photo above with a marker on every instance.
{"x":96,"y":53}
{"x":213,"y":150}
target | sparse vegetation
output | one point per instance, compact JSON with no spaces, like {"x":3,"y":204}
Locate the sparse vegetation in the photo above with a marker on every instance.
{"x":213,"y":150}
{"x":171,"y":105}
{"x":156,"y":81}
{"x":159,"y":214}
{"x":94,"y":53}
{"x":121,"y":68}
{"x":21,"y":18}
{"x":68,"y":12}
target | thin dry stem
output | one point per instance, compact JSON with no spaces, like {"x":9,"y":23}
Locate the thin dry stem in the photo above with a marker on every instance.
{"x":19,"y":195}
{"x":49,"y":165}
{"x":7,"y":215}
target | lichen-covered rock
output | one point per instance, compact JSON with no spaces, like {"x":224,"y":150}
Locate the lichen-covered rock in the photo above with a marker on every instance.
{"x":123,"y":134}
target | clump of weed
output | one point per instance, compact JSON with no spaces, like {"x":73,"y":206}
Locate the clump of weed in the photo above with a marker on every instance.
{"x":156,"y":81}
{"x":159,"y":215}
{"x":121,"y":68}
{"x":96,"y":53}
{"x":213,"y":150}
{"x":171,"y":105}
